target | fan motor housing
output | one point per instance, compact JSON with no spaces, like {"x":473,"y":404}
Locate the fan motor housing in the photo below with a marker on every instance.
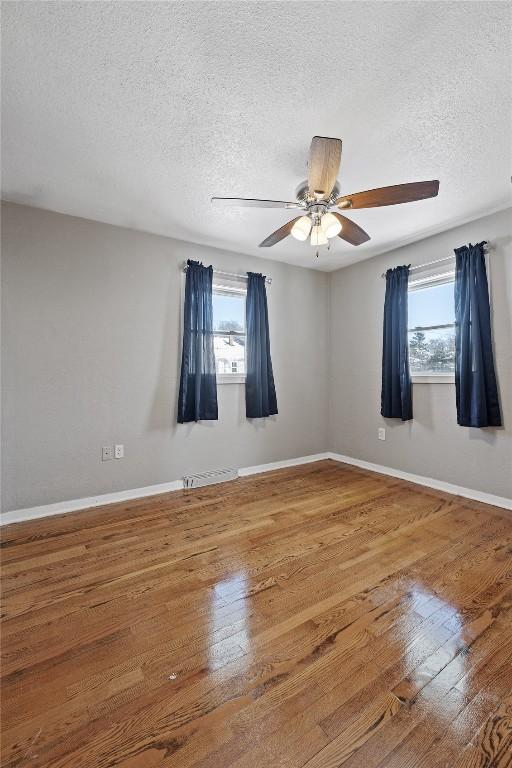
{"x":301,"y":193}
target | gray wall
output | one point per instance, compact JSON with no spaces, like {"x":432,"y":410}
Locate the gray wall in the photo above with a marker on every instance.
{"x":91,"y":318}
{"x":432,"y":444}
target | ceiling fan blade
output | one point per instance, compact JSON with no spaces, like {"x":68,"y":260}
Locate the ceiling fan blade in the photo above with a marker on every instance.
{"x":350,"y":231}
{"x":400,"y":193}
{"x":279,"y":234}
{"x":323,"y":166}
{"x":249,"y":202}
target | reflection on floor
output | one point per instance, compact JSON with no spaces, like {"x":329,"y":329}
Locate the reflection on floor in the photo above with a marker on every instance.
{"x":313,"y":617}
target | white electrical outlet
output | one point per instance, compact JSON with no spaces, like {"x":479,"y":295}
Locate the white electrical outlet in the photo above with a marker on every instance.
{"x":382,"y":433}
{"x":119,"y":451}
{"x":107,"y":453}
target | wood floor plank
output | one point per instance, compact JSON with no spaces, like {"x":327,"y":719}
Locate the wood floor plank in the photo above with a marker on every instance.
{"x":311,"y":617}
{"x":356,"y":733}
{"x":493,"y":744}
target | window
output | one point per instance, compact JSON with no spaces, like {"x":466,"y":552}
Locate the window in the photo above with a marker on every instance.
{"x":229,"y":332}
{"x":432,"y":327}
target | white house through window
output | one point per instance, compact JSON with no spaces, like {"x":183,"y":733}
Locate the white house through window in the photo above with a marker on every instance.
{"x":432,"y":325}
{"x":229,"y":330}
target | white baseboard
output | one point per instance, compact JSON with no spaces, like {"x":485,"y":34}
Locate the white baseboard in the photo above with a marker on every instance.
{"x":74,"y":505}
{"x":244,"y":471}
{"x":430,"y":482}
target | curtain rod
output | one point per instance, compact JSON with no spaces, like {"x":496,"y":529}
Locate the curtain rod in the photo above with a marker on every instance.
{"x":268,"y":280}
{"x":487,"y":248}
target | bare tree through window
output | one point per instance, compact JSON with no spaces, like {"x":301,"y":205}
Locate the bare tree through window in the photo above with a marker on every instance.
{"x":432,"y":328}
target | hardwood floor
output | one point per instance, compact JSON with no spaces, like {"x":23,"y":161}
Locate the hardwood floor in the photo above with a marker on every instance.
{"x":312,"y":617}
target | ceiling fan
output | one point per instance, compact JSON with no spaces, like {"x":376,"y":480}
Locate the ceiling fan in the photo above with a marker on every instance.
{"x":319,"y":199}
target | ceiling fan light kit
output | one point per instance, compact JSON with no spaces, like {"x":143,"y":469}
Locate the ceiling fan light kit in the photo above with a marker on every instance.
{"x":302,"y":228}
{"x":318,"y":236}
{"x":319,"y":198}
{"x":330,"y":225}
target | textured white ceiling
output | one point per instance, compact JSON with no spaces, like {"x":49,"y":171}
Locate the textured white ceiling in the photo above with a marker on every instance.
{"x":136,"y":113}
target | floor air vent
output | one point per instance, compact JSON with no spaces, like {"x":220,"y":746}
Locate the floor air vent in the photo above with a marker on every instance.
{"x":209,"y":478}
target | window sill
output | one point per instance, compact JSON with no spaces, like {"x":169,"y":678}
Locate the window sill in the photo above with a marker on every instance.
{"x":230,"y":378}
{"x":433,"y":378}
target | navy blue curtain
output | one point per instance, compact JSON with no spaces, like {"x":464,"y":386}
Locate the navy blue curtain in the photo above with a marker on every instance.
{"x":198,"y":383}
{"x":475,"y":379}
{"x":260,"y":392}
{"x":396,"y":393}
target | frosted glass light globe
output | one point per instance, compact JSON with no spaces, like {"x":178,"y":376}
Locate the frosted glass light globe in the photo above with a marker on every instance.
{"x":318,"y":236}
{"x":330,"y":225}
{"x":301,"y":228}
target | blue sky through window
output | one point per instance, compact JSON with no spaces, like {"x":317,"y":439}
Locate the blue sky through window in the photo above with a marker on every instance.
{"x":228,"y":308}
{"x":432,"y":306}
{"x":432,"y":351}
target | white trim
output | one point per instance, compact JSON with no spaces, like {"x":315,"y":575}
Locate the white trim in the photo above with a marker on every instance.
{"x":244,"y":471}
{"x":230,"y":378}
{"x":430,"y":482}
{"x":229,"y":290}
{"x":431,"y":280}
{"x":433,"y":378}
{"x":74,"y":505}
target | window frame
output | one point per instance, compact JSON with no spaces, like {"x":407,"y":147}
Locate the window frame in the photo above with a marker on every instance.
{"x":221,"y":286}
{"x":440,"y":277}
